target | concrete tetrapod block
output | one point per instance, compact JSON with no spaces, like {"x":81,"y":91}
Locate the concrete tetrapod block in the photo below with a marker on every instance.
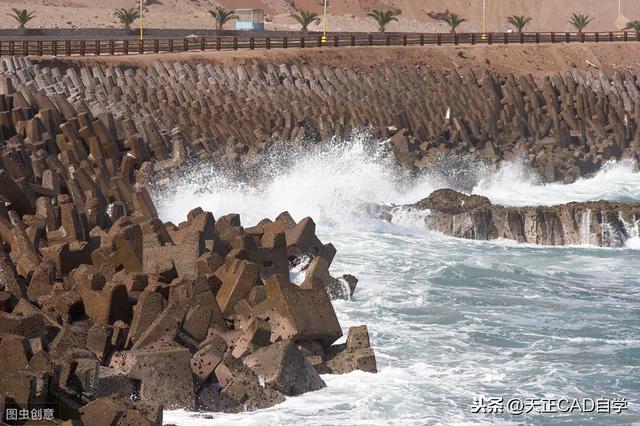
{"x":298,"y":314}
{"x":284,"y":367}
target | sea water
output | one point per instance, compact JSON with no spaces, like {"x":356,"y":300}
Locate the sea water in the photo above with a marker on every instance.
{"x":450,"y":320}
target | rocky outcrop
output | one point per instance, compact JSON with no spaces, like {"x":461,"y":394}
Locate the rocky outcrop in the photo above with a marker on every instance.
{"x":108,"y":315}
{"x":600,"y":223}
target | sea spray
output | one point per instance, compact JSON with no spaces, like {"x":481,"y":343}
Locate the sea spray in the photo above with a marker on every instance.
{"x":515,"y":184}
{"x":333,"y":183}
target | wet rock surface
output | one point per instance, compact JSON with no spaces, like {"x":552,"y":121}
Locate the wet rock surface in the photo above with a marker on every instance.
{"x":107,"y":314}
{"x":600,"y":223}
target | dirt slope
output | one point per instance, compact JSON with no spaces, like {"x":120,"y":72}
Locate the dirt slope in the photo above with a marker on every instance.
{"x":345,"y":15}
{"x":540,"y":61}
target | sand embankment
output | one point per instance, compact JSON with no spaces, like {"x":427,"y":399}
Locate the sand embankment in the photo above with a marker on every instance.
{"x":539,"y":60}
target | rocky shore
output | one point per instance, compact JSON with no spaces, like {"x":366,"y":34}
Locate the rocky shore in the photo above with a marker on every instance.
{"x":474,"y":217}
{"x":108,"y":315}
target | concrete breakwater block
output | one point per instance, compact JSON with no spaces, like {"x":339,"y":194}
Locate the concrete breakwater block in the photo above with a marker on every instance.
{"x":565,"y":125}
{"x":107,"y":314}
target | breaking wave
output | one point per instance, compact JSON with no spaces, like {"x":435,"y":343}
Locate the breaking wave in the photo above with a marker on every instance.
{"x":332,"y":183}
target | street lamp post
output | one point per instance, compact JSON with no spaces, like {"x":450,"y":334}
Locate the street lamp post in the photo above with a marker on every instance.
{"x":619,"y":15}
{"x":484,"y":16}
{"x":141,"y":18}
{"x":324,"y":21}
{"x":483,"y":36}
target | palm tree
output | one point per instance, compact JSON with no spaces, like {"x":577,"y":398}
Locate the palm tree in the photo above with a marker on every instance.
{"x":22,"y":16}
{"x":127,"y":17}
{"x":519,"y":21}
{"x":633,"y":25}
{"x":580,"y":21}
{"x":306,"y":18}
{"x":384,"y":17}
{"x":222,"y":16}
{"x":454,"y":21}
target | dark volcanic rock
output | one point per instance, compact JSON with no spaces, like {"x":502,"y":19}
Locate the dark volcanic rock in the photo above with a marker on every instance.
{"x":601,"y":223}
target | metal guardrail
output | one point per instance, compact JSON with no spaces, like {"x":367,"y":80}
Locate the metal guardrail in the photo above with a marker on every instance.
{"x":219,"y":43}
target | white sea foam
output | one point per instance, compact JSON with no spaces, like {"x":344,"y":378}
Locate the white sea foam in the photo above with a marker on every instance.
{"x":333,"y":184}
{"x":330,"y":185}
{"x":514,"y":184}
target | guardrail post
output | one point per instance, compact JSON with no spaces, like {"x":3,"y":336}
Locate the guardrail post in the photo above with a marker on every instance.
{"x":235,"y":43}
{"x":185,"y":44}
{"x":597,"y":37}
{"x":54,"y":48}
{"x":285,"y":42}
{"x":388,"y":40}
{"x":610,"y":36}
{"x":112,"y":47}
{"x":567,"y":37}
{"x":521,"y":38}
{"x":25,"y":48}
{"x":97,"y":48}
{"x":156,"y":46}
{"x":301,"y":41}
{"x":12,"y":48}
{"x":219,"y":43}
{"x":490,"y":38}
{"x":67,"y":47}
{"x":537,"y":38}
{"x":336,"y":40}
{"x":0,"y":48}
{"x":439,"y":41}
{"x":637,"y":35}
{"x":125,"y":47}
{"x":39,"y":46}
{"x":404,"y":40}
{"x":319,"y":41}
{"x":553,"y":37}
{"x":353,"y":41}
{"x":267,"y":43}
{"x":370,"y":39}
{"x":625,"y":36}
{"x":252,"y":43}
{"x":203,"y":43}
{"x":473,"y":38}
{"x":582,"y":38}
{"x":141,"y":46}
{"x":83,"y":47}
{"x":170,"y":45}
{"x":421,"y":39}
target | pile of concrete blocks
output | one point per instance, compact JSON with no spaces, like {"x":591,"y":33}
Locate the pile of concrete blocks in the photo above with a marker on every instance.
{"x":107,"y":314}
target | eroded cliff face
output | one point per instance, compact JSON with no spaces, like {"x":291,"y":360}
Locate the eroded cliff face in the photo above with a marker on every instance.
{"x":600,"y":223}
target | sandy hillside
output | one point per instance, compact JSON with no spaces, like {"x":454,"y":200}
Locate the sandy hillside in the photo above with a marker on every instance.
{"x":345,"y":15}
